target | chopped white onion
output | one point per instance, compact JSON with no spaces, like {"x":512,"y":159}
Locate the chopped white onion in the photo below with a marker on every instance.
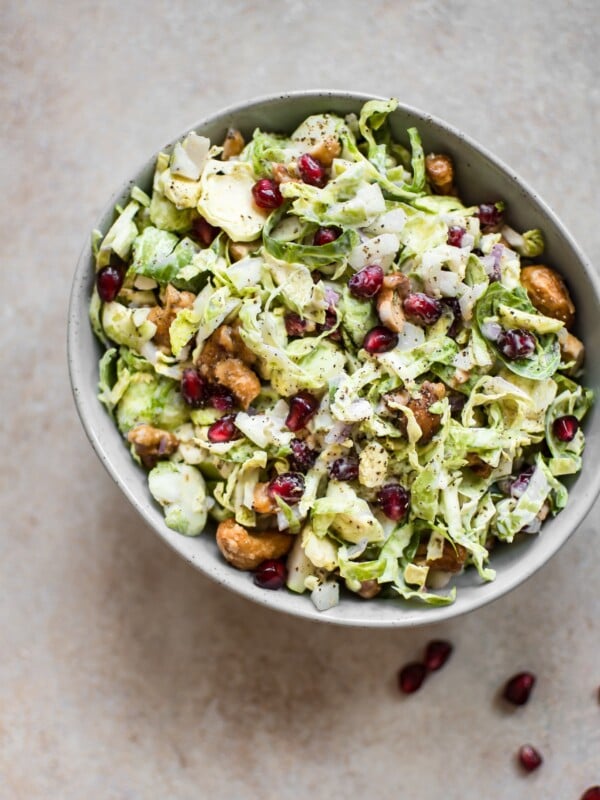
{"x":326,"y":595}
{"x":491,"y":331}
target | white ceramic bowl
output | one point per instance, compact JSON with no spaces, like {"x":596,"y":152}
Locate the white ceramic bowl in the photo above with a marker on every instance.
{"x":480,"y":177}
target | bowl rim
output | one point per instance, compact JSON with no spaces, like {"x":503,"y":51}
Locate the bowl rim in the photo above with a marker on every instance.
{"x":405,"y":619}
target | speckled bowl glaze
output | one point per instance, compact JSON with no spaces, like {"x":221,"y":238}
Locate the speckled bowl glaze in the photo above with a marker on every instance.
{"x":480,"y":177}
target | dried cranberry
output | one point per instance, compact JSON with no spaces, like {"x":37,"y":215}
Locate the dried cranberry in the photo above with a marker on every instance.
{"x":521,"y":482}
{"x":394,"y":501}
{"x":311,"y":170}
{"x":455,"y":234}
{"x":266,"y":194}
{"x":302,"y":457}
{"x":109,"y":281}
{"x":367,"y":282}
{"x":223,"y":430}
{"x":221,"y":398}
{"x":289,"y":486}
{"x":271,"y":574}
{"x":516,"y":343}
{"x":379,"y":340}
{"x":194,"y":388}
{"x":490,"y":214}
{"x":326,"y":236}
{"x":295,"y":325}
{"x":529,"y":758}
{"x":303,"y":407}
{"x":204,"y":231}
{"x":518,"y":688}
{"x":593,"y":793}
{"x":411,"y":677}
{"x":454,"y":306}
{"x":437,"y":653}
{"x":344,"y":469}
{"x":422,"y":309}
{"x":565,"y":428}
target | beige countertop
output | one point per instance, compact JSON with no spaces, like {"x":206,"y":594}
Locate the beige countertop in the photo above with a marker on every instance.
{"x":126,"y":674}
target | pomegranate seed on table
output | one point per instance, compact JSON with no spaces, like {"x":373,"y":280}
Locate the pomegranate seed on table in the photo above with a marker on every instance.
{"x":411,"y":677}
{"x":344,"y":469}
{"x":516,"y":343}
{"x":302,"y":457}
{"x":289,"y":486}
{"x":529,"y":758}
{"x":326,"y":236}
{"x":394,"y":501}
{"x":194,"y":388}
{"x":518,"y":689}
{"x":204,"y":231}
{"x":437,"y":653}
{"x":270,"y":574}
{"x":266,"y":194}
{"x":379,"y":340}
{"x":223,"y":430}
{"x":221,"y":398}
{"x":366,"y":283}
{"x":312,"y":171}
{"x":593,"y":793}
{"x":565,"y":428}
{"x":295,"y":325}
{"x":303,"y":407}
{"x":455,"y":234}
{"x":422,"y":309}
{"x":109,"y":281}
{"x":489,"y":215}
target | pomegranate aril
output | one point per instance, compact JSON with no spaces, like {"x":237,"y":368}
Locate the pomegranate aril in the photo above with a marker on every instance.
{"x":565,"y":428}
{"x":593,"y":793}
{"x":312,"y":171}
{"x":303,"y":407}
{"x":194,"y":388}
{"x":516,"y":343}
{"x":529,"y":758}
{"x":295,"y":325}
{"x":394,"y":501}
{"x":204,"y":231}
{"x":367,"y":282}
{"x":223,"y":430}
{"x":270,"y":574}
{"x":490,"y":214}
{"x":326,"y":236}
{"x":437,"y":653}
{"x":344,"y":469}
{"x":266,"y":194}
{"x":422,"y":309}
{"x":518,"y":689}
{"x":221,"y":398}
{"x":289,"y":486}
{"x":411,"y":677}
{"x":109,"y":281}
{"x":379,"y":340}
{"x":302,"y":457}
{"x":521,"y":482}
{"x":455,"y":234}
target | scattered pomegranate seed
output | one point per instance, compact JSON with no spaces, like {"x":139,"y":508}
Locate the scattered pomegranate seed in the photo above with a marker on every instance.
{"x":223,"y":430}
{"x":194,"y":388}
{"x":221,"y":398}
{"x":521,"y":482}
{"x":109,"y":281}
{"x":303,"y":407}
{"x":303,"y":457}
{"x":271,"y":574}
{"x":266,"y":194}
{"x":379,"y":340}
{"x":289,"y":486}
{"x":518,"y":688}
{"x":326,"y":236}
{"x":516,"y":343}
{"x":565,"y":428}
{"x":529,"y":758}
{"x":394,"y":501}
{"x":490,"y":215}
{"x":422,"y":309}
{"x":295,"y":325}
{"x":367,"y":282}
{"x":455,"y":234}
{"x":311,"y":170}
{"x":411,"y":677}
{"x":593,"y":793}
{"x":204,"y":231}
{"x":437,"y":653}
{"x":344,"y":469}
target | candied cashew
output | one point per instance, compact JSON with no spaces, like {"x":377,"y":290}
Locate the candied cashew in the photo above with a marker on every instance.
{"x":262,"y":502}
{"x":453,"y":557}
{"x":163,"y":316}
{"x":572,"y":349}
{"x":326,"y":150}
{"x":440,"y":173}
{"x":428,"y":394}
{"x":548,"y":293}
{"x":389,"y":301}
{"x":151,"y":443}
{"x":245,"y":550}
{"x":240,"y":379}
{"x":369,"y":589}
{"x":233,"y":144}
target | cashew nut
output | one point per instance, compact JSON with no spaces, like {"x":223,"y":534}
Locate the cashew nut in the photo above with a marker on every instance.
{"x":326,"y":150}
{"x":245,"y":550}
{"x":152,"y":443}
{"x":548,"y":293}
{"x":262,"y":502}
{"x":440,"y":173}
{"x":571,"y":349}
{"x":233,"y":145}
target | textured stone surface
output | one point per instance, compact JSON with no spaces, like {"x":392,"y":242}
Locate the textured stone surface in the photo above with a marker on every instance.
{"x":123,"y":672}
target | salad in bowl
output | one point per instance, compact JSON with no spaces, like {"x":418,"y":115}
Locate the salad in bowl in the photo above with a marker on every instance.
{"x":313,"y":342}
